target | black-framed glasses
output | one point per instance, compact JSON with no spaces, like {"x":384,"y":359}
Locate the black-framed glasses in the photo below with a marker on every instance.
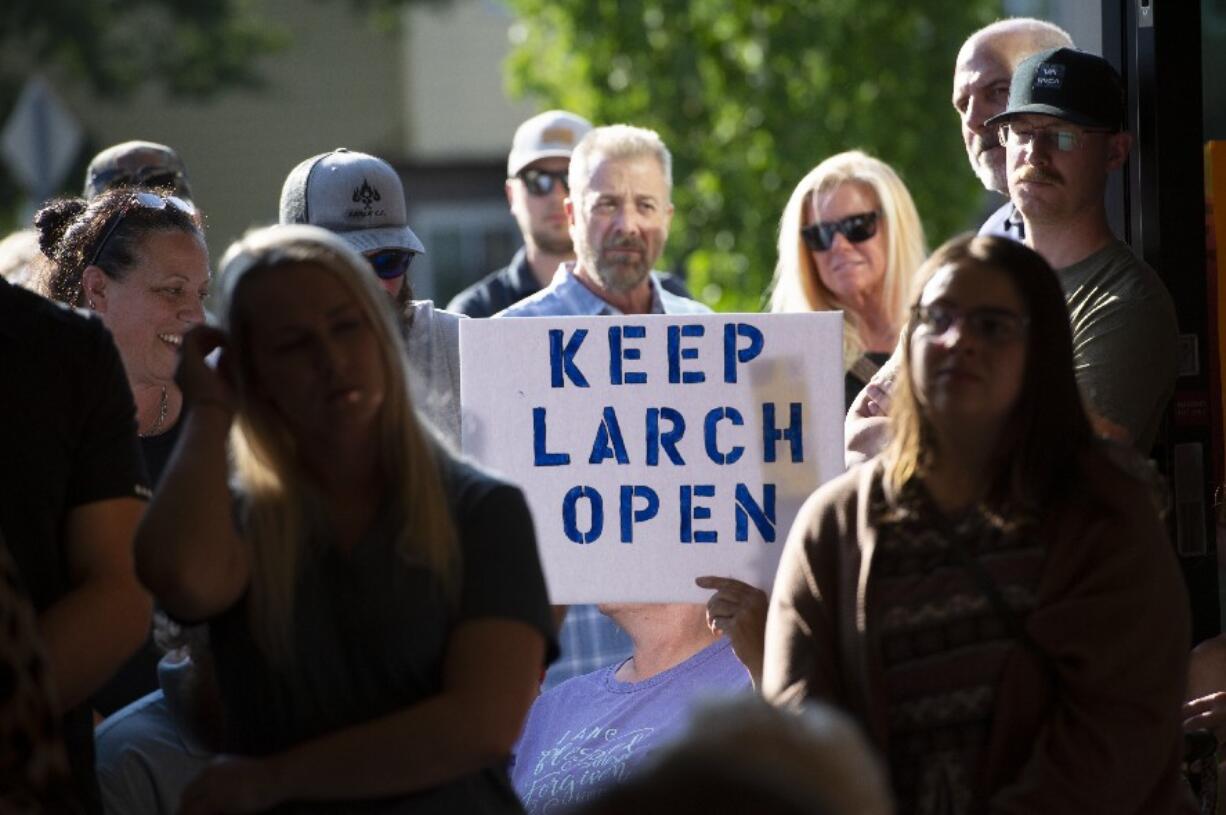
{"x":542,"y":182}
{"x":140,"y":200}
{"x":1065,"y":140}
{"x":390,"y":264}
{"x":997,"y":326}
{"x":856,"y":228}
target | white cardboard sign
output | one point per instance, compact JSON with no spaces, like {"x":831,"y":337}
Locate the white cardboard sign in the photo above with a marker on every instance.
{"x":654,"y":449}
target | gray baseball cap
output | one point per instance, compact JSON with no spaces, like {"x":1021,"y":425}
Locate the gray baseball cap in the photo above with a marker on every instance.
{"x":356,"y":195}
{"x":552,"y":134}
{"x":136,"y":164}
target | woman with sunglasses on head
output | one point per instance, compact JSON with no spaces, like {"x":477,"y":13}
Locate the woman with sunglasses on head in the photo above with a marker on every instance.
{"x":377,"y":612}
{"x":993,"y":597}
{"x":137,"y":259}
{"x":850,"y":239}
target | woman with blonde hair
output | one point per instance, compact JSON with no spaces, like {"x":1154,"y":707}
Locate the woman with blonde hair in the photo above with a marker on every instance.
{"x":850,"y":239}
{"x":377,"y":612}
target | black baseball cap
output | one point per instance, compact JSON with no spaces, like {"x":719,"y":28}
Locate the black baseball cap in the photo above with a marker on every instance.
{"x":1068,"y":84}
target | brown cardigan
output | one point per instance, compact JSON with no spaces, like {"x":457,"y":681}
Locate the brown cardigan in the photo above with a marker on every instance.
{"x":1112,"y":615}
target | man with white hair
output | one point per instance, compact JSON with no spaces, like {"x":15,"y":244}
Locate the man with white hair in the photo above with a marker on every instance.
{"x":982,"y":72}
{"x":619,"y":211}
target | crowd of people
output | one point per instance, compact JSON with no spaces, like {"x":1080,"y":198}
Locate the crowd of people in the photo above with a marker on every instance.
{"x":244,"y":568}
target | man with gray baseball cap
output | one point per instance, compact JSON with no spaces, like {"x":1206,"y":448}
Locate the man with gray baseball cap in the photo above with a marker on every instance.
{"x":1063,"y":133}
{"x":360,"y":197}
{"x":137,"y":164}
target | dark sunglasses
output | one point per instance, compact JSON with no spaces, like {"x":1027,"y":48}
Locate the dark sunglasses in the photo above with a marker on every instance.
{"x":542,"y":182}
{"x":141,"y":200}
{"x":390,"y":264}
{"x":856,"y":228}
{"x":997,"y":326}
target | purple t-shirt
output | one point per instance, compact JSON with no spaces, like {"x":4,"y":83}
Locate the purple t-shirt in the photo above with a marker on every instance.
{"x":592,"y":731}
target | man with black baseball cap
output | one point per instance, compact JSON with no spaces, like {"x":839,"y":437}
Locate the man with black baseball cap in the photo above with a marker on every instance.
{"x":360,"y":198}
{"x":1063,"y":133}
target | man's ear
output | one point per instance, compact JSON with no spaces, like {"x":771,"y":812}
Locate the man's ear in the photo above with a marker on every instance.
{"x":569,"y":205}
{"x":1119,"y":145}
{"x":510,"y":193}
{"x":93,"y":289}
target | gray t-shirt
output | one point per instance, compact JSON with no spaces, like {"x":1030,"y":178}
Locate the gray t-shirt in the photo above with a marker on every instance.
{"x":1124,"y":338}
{"x":433,"y":342}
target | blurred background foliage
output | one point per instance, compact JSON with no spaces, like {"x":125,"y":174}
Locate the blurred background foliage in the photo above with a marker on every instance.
{"x":749,"y":95}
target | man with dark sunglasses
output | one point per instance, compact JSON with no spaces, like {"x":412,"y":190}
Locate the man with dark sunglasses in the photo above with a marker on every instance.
{"x":537,"y":185}
{"x":361,"y":198}
{"x":142,"y":164}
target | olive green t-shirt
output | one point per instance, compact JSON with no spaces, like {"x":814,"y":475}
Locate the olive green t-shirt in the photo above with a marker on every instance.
{"x":1124,"y":338}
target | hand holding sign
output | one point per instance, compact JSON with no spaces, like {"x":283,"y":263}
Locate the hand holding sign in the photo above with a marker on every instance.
{"x":738,"y":611}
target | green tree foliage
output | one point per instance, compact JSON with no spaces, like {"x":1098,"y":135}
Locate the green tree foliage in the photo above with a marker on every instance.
{"x":751,"y":94}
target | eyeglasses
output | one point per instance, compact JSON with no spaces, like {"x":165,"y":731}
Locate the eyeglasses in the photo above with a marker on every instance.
{"x":141,"y":200}
{"x":856,"y":228}
{"x":390,"y":264}
{"x":997,"y":326}
{"x":1065,"y":141}
{"x":542,"y":182}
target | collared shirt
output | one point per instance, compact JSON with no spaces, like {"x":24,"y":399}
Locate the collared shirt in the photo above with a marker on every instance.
{"x":1005,"y":222}
{"x":516,"y":281}
{"x":589,"y":640}
{"x":566,"y":295}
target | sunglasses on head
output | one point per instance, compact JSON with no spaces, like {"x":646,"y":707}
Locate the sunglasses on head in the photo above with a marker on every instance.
{"x":141,"y":200}
{"x":856,"y":228}
{"x":390,"y":264}
{"x":542,"y":182}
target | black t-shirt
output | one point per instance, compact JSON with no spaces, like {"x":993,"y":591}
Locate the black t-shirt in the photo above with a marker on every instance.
{"x":370,"y":633}
{"x":67,"y":438}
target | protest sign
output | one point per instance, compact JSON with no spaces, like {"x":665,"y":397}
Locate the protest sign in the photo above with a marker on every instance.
{"x":654,"y":449}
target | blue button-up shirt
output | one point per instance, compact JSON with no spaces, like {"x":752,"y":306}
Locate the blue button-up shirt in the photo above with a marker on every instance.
{"x":588,"y":639}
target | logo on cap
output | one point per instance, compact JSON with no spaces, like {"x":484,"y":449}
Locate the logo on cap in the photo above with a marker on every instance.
{"x":366,"y":195}
{"x":561,"y":135}
{"x":1049,"y":75}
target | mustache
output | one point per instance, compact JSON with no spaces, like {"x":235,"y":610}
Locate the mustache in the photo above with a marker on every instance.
{"x":626,"y":242}
{"x":1037,"y":175}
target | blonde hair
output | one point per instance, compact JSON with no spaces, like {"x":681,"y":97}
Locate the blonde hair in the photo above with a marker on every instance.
{"x":797,"y":286}
{"x":281,"y":510}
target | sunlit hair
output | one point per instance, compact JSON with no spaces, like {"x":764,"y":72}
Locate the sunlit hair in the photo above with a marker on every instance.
{"x":616,"y":142}
{"x":797,"y":286}
{"x":1025,"y":36}
{"x":71,"y":230}
{"x":281,"y":505}
{"x":1048,"y":427}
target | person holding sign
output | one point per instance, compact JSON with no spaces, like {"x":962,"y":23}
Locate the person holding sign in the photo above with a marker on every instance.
{"x":964,"y":594}
{"x":851,"y":239}
{"x":619,"y":211}
{"x":377,"y":611}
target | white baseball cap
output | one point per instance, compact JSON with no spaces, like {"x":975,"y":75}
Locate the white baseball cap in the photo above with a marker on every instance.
{"x":552,"y":134}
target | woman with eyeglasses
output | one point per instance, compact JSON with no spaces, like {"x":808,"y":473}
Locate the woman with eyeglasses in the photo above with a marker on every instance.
{"x":137,"y":259}
{"x":993,"y":597}
{"x":377,"y":612}
{"x":850,"y":239}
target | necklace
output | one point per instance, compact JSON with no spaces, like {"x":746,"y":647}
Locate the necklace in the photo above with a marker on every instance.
{"x":163,"y":407}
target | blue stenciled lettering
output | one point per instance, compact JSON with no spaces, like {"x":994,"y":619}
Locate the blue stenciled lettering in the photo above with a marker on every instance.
{"x":667,"y":439}
{"x":733,"y":355}
{"x":631,"y":516}
{"x":676,"y":353}
{"x":771,"y":435}
{"x":691,"y":513}
{"x":617,"y":354}
{"x":763,"y":515}
{"x":541,"y":457}
{"x":562,"y":358}
{"x":609,"y":442}
{"x":570,"y":519}
{"x":711,"y":433}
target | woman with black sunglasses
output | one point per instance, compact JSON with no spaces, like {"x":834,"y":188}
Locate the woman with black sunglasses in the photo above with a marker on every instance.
{"x":850,"y":239}
{"x":994,"y":598}
{"x":137,"y":259}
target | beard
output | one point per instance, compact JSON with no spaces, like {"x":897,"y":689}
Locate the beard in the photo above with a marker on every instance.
{"x":619,"y":276}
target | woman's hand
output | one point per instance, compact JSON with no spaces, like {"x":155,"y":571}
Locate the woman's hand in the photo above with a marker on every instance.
{"x":201,"y":382}
{"x":232,"y":784}
{"x":738,"y":611}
